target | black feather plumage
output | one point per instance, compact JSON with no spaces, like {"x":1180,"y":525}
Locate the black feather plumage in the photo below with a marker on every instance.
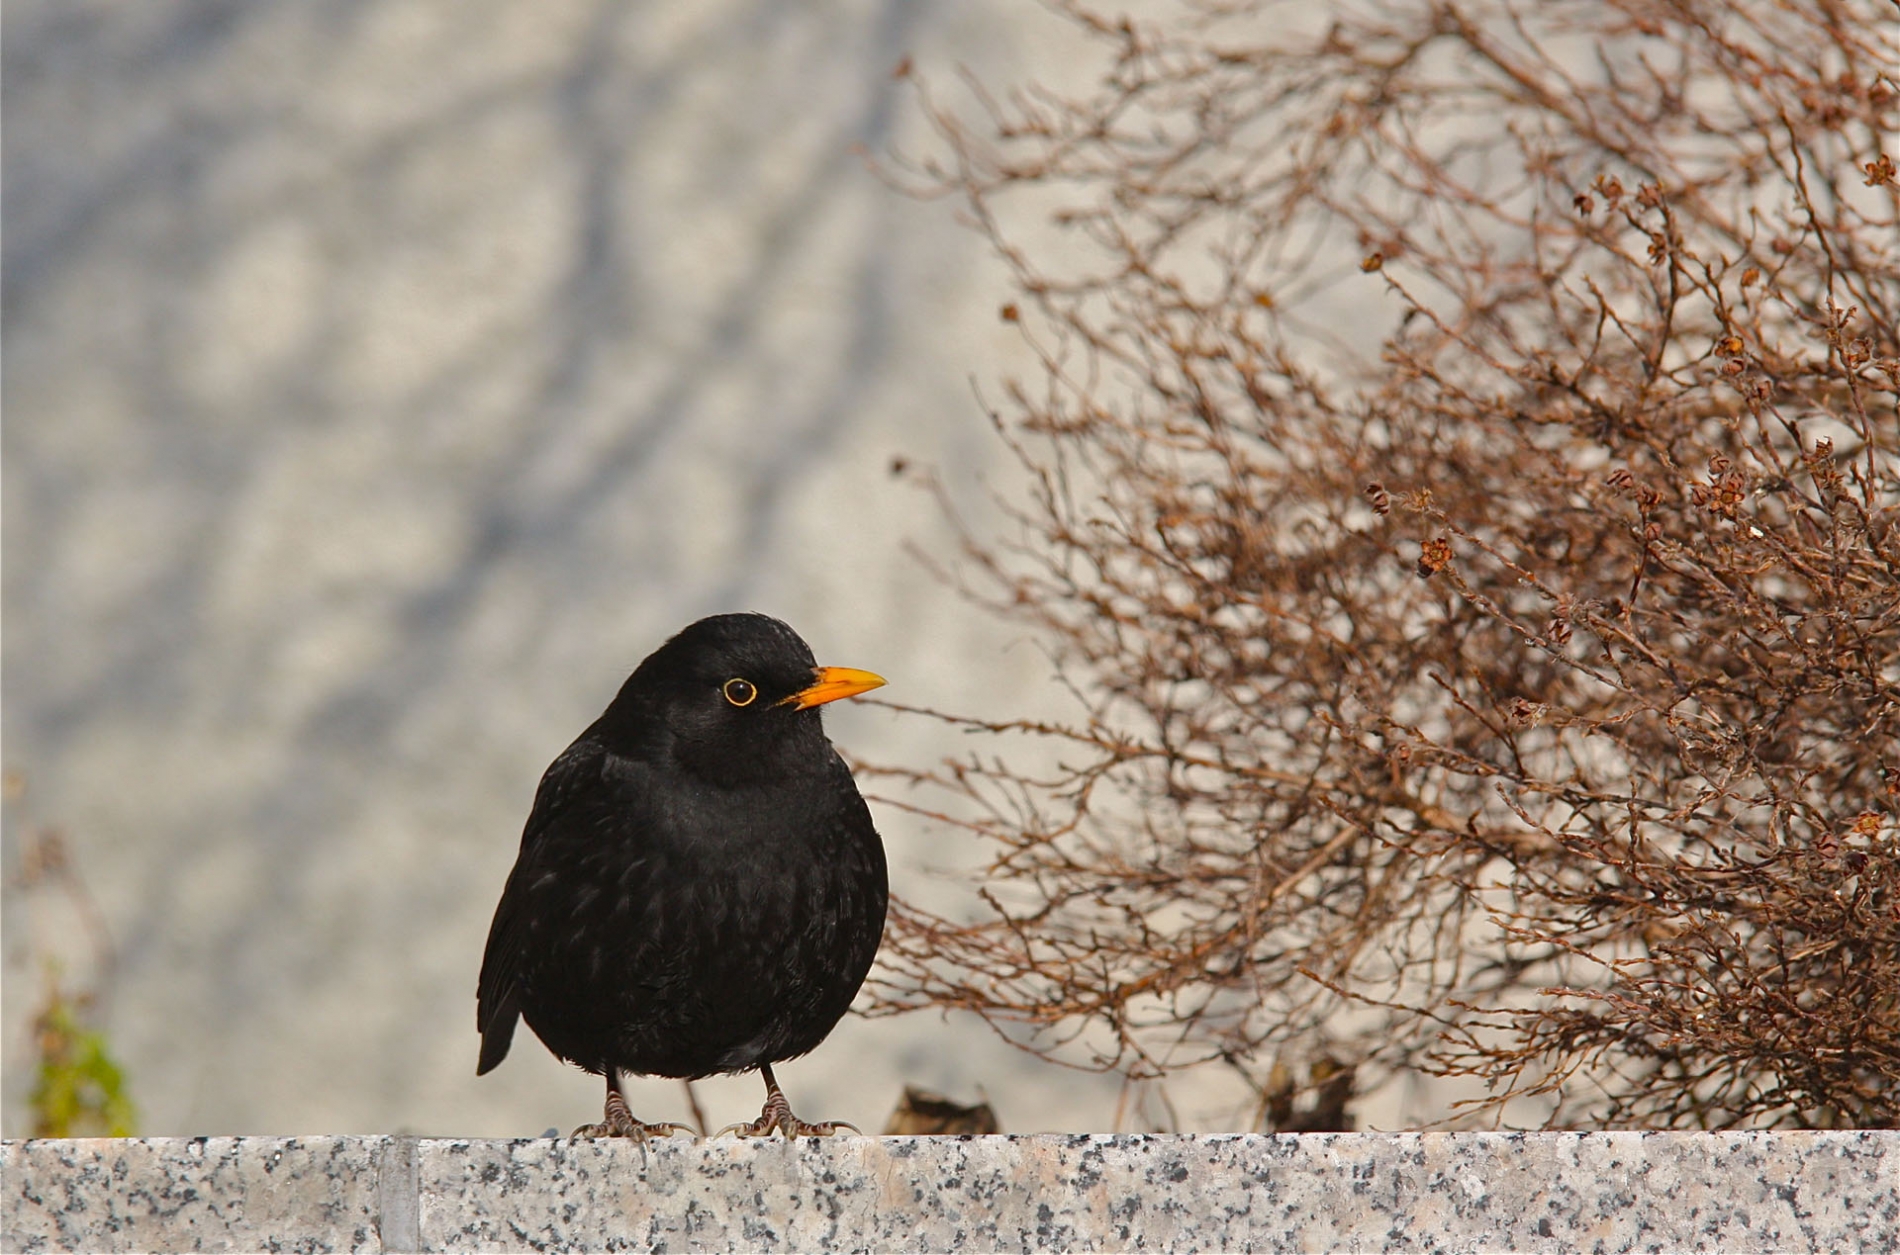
{"x":700,"y":888}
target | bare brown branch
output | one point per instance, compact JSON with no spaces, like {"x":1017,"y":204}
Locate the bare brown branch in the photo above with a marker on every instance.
{"x":1487,"y":661}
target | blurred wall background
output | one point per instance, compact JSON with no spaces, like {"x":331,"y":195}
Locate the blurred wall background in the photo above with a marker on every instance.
{"x":382,"y":381}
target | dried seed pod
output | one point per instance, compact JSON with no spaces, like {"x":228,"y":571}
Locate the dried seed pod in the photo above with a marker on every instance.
{"x":1526,"y":713}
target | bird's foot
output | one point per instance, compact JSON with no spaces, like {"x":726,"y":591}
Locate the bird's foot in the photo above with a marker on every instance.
{"x":617,"y":1121}
{"x":636,"y":1129}
{"x":790,"y":1126}
{"x":777,"y":1117}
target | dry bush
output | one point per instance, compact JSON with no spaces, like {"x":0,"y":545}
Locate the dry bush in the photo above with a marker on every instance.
{"x":1465,"y":479}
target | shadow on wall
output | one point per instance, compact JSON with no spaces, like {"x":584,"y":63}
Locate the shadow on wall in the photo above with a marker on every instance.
{"x":379,"y":380}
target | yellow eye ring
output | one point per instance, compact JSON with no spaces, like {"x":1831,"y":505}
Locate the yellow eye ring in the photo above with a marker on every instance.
{"x":739,"y":692}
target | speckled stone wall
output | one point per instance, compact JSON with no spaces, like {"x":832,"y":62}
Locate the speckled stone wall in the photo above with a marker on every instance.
{"x":1362,"y":1191}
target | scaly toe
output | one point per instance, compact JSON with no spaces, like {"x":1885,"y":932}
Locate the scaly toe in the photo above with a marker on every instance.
{"x":789,"y":1125}
{"x":635,"y":1129}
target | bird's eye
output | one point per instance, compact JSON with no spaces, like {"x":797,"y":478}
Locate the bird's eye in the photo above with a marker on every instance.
{"x":739,"y":692}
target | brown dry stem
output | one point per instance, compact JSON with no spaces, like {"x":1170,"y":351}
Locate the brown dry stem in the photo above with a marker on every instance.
{"x":1465,"y":476}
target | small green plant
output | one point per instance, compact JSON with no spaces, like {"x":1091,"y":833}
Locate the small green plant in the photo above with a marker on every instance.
{"x":80,"y":1090}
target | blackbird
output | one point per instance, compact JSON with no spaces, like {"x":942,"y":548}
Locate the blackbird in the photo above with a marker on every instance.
{"x":700,"y":888}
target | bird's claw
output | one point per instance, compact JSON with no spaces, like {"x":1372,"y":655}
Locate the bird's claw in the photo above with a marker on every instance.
{"x":617,"y":1121}
{"x":777,"y":1117}
{"x":790,"y":1125}
{"x":636,"y":1129}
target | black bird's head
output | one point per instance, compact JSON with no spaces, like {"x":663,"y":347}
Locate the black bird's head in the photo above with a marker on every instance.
{"x":733,"y":697}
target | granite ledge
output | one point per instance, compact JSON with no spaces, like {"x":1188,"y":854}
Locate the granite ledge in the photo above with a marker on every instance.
{"x":1815,"y":1191}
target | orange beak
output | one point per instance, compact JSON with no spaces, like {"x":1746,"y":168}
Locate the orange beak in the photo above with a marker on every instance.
{"x":831,"y":684}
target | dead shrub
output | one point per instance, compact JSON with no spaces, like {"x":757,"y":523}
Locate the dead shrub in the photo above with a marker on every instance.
{"x":1466,"y":480}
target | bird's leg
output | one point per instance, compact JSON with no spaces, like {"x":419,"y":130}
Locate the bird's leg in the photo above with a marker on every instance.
{"x":777,"y":1117}
{"x":618,"y":1121}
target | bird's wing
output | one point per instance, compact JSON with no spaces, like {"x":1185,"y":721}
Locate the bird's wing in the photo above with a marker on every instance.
{"x":495,"y":1005}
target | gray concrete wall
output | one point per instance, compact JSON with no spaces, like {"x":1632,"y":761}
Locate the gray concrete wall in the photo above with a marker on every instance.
{"x":381,"y":382}
{"x":1834,"y":1192}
